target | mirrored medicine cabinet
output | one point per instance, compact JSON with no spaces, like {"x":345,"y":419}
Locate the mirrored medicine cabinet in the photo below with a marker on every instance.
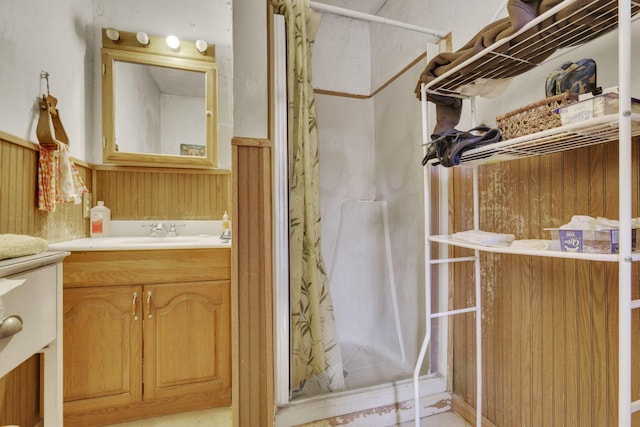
{"x":159,"y":104}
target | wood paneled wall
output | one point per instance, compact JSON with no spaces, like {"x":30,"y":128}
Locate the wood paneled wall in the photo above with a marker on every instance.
{"x":161,"y":193}
{"x":19,"y":212}
{"x":131,"y":193}
{"x":549,"y":325}
{"x":252,"y":276}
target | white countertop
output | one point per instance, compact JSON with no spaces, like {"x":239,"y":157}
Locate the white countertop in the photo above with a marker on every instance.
{"x":134,"y":235}
{"x":15,"y":265}
{"x":141,"y":243}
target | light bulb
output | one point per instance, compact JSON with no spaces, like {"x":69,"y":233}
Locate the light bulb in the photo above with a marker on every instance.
{"x":113,"y":34}
{"x":173,"y":42}
{"x":142,"y":38}
{"x":201,"y":45}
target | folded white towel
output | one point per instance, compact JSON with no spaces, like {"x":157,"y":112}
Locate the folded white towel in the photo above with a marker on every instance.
{"x":536,"y":244}
{"x":480,"y":237}
{"x":606,"y":223}
{"x":580,"y":222}
{"x":17,"y":245}
{"x":585,"y":222}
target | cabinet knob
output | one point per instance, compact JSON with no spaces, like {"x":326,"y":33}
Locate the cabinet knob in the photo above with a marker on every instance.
{"x":10,"y":326}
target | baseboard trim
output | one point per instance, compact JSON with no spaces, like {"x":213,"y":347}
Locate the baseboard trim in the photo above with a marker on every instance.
{"x":388,"y":404}
{"x":467,"y":412}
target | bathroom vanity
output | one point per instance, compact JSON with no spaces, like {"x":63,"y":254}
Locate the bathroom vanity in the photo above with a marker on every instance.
{"x":147,"y":332}
{"x":31,"y":322}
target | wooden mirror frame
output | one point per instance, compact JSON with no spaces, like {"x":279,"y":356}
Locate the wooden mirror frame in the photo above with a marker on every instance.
{"x":157,"y":53}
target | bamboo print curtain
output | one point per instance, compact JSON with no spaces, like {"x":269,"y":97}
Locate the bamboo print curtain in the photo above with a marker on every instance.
{"x":316,"y":362}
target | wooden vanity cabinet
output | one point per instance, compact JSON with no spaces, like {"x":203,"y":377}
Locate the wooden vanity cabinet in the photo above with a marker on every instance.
{"x":145,"y":333}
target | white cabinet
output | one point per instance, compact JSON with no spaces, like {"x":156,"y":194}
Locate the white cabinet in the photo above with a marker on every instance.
{"x":621,"y":127}
{"x":31,"y":322}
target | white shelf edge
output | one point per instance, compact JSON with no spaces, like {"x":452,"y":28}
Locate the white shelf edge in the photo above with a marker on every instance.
{"x":448,"y":240}
{"x":598,"y":130}
{"x":496,"y":45}
{"x":439,"y":85}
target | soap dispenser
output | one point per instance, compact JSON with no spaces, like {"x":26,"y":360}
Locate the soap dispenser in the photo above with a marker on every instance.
{"x":226,"y":231}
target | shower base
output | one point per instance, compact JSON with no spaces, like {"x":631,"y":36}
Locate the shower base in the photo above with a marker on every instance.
{"x":366,"y":366}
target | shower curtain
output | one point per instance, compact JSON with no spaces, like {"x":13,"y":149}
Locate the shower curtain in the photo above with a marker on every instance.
{"x":316,"y":361}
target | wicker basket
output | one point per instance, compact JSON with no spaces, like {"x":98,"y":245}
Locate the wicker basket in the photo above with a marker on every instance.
{"x":534,"y":117}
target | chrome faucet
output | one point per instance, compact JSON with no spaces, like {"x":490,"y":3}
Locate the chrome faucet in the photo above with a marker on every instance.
{"x":172,"y":230}
{"x":158,"y":230}
{"x":161,"y":230}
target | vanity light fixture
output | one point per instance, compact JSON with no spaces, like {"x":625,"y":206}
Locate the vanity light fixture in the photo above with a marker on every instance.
{"x":201,"y":45}
{"x":173,"y":42}
{"x":113,"y":34}
{"x":142,"y":38}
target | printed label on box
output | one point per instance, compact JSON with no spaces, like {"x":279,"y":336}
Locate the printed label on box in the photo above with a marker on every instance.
{"x":570,"y":240}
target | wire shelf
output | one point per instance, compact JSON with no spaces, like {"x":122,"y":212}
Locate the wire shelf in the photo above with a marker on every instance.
{"x":532,"y":44}
{"x":599,"y":130}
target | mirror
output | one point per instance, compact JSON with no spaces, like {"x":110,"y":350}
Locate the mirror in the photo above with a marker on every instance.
{"x":158,"y":104}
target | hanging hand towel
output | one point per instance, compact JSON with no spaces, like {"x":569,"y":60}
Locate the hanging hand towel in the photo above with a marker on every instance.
{"x":58,"y":178}
{"x":47,"y":179}
{"x":70,"y":185}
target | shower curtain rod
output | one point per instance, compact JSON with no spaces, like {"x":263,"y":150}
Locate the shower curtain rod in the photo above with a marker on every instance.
{"x":374,"y":18}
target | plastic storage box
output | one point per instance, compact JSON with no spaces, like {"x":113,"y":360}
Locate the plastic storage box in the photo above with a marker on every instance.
{"x":589,"y":241}
{"x":597,"y":106}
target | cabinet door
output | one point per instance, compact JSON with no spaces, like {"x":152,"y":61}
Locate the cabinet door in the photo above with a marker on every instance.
{"x":187,"y":339}
{"x":102,"y":347}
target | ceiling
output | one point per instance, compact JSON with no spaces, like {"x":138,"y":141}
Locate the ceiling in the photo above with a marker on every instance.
{"x":366,"y":6}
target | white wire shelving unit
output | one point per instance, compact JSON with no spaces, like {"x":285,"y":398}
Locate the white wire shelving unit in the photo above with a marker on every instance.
{"x":569,"y":23}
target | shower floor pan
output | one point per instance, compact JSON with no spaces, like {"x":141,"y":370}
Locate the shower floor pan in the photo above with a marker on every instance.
{"x":366,"y":366}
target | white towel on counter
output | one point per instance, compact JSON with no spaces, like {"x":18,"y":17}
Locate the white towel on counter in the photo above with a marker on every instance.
{"x":480,"y":237}
{"x":535,"y":244}
{"x":17,"y":245}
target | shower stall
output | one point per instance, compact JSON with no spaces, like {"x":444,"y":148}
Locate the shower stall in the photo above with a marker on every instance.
{"x":364,"y":296}
{"x":371,"y":194}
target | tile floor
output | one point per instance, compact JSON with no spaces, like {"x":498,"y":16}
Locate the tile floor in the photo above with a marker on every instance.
{"x":446,"y":419}
{"x":221,"y":417}
{"x":217,"y":417}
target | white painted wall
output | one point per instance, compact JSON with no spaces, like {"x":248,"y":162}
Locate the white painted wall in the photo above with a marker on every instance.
{"x":342,"y":55}
{"x":63,"y":38}
{"x":56,"y":37}
{"x":250,"y":71}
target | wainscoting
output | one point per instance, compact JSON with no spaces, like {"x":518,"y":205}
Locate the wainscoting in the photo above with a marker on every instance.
{"x":130,"y":193}
{"x":252,"y":279}
{"x":549,"y":325}
{"x":19,"y":212}
{"x":162,"y":193}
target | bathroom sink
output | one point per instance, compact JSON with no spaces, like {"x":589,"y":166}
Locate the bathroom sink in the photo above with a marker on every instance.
{"x":141,"y":243}
{"x":158,"y":240}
